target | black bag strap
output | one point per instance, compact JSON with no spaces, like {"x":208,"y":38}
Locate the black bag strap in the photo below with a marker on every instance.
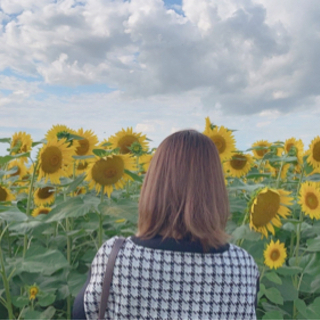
{"x":108,"y":276}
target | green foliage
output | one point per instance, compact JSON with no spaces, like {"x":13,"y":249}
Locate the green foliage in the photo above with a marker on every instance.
{"x":54,"y":251}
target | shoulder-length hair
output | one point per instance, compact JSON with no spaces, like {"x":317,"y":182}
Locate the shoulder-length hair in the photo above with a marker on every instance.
{"x":184,"y":194}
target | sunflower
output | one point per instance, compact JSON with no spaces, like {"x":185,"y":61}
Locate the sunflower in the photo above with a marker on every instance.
{"x":21,"y":170}
{"x":275,"y":170}
{"x":266,"y":207}
{"x":277,"y":148}
{"x":144,"y":162}
{"x":109,"y":172}
{"x":222,"y":138}
{"x":105,"y":144}
{"x":81,"y":167}
{"x":40,"y":210}
{"x":89,"y":142}
{"x":59,"y":131}
{"x":55,"y":159}
{"x":33,"y":291}
{"x":309,"y":199}
{"x":125,"y":138}
{"x":44,"y":196}
{"x":239,"y":165}
{"x":275,"y":255}
{"x":262,"y":148}
{"x":314,"y":153}
{"x":80,"y":190}
{"x":294,"y":147}
{"x":5,"y":194}
{"x":21,"y":142}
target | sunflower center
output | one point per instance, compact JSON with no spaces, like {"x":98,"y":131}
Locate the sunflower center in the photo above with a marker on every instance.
{"x":109,"y":171}
{"x":3,"y":194}
{"x":262,"y":152}
{"x":44,"y":211}
{"x":238,"y":162}
{"x":83,"y":148}
{"x":311,"y":200}
{"x":51,"y":159}
{"x":266,"y":208}
{"x":220,"y":143}
{"x":316,"y":151}
{"x":275,"y":255}
{"x":126,"y":142}
{"x":45,"y":192}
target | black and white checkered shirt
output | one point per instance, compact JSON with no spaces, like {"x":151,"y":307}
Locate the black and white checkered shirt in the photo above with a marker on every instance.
{"x":166,"y":280}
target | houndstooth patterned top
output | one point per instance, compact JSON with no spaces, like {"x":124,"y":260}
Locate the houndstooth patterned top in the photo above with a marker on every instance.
{"x":153,"y":283}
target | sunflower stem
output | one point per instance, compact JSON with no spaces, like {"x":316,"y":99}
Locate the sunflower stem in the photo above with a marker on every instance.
{"x":279,"y":175}
{"x":68,"y":257}
{"x":9,"y":244}
{"x":100,"y":220}
{"x":5,"y":280}
{"x":25,"y":238}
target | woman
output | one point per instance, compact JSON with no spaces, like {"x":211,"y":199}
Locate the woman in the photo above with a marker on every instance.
{"x":179,"y":265}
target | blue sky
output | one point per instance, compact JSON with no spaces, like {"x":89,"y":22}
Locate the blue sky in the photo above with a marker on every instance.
{"x":250,"y":65}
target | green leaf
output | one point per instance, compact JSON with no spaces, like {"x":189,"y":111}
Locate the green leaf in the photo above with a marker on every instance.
{"x":26,"y":226}
{"x":73,"y":207}
{"x":289,"y":271}
{"x":46,"y":299}
{"x":272,"y":276}
{"x":262,"y":291}
{"x":5,"y":140}
{"x":75,"y":282}
{"x":244,"y":232}
{"x":134,"y":176}
{"x":102,"y":152}
{"x":272,"y":315}
{"x":12,"y":214}
{"x":310,"y":263}
{"x":32,"y":314}
{"x":308,"y":168}
{"x":48,"y":313}
{"x":289,"y":226}
{"x":83,"y":157}
{"x":62,"y":292}
{"x":34,"y":144}
{"x":284,"y":159}
{"x":125,"y":208}
{"x":314,"y":309}
{"x":42,"y":260}
{"x":313,"y":245}
{"x":20,"y":301}
{"x":315,"y":178}
{"x":75,"y":183}
{"x":258,"y":175}
{"x":5,"y":159}
{"x":301,"y":307}
{"x":274,"y":295}
{"x":237,"y":205}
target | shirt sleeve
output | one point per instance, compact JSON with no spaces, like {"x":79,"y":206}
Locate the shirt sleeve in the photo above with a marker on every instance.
{"x":78,"y":312}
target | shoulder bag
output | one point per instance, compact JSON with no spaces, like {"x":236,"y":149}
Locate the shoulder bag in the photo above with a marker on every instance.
{"x":108,"y":276}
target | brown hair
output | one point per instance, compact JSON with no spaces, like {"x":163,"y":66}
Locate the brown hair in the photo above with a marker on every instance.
{"x":184,"y":194}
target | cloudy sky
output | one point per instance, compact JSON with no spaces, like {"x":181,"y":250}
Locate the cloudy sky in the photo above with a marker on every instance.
{"x":160,"y":66}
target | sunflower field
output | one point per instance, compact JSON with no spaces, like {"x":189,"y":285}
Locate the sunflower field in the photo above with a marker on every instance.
{"x":59,"y":206}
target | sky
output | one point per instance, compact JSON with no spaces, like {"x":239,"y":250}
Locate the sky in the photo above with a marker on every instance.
{"x":160,"y":66}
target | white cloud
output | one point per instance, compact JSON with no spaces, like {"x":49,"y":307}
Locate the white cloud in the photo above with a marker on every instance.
{"x":249,"y":55}
{"x":252,"y":65}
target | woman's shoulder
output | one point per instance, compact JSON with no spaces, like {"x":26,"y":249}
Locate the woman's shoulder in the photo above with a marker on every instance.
{"x":241,"y":256}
